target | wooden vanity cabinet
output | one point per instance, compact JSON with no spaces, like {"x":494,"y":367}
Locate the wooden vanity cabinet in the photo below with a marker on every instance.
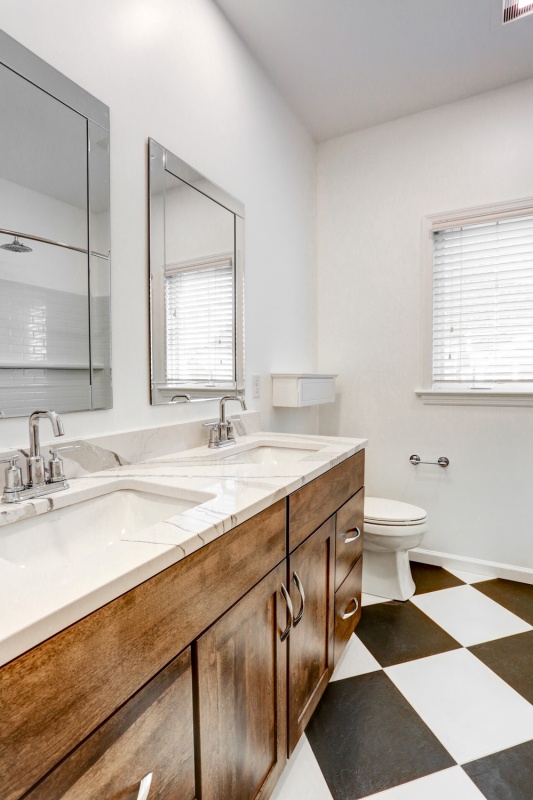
{"x":152,"y":733}
{"x":311,"y":576}
{"x":185,"y":676}
{"x":58,"y":693}
{"x":242,"y":696}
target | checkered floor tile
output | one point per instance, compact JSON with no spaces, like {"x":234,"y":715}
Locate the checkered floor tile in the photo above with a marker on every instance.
{"x":431,"y":699}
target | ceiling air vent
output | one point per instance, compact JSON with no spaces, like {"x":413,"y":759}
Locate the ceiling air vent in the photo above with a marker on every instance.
{"x":514,"y":9}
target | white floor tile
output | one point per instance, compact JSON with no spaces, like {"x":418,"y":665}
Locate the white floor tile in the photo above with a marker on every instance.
{"x":468,"y":707}
{"x":371,"y":599}
{"x":443,"y":785}
{"x":356,"y":660}
{"x":302,"y":777}
{"x":470,"y":577}
{"x":469,"y":616}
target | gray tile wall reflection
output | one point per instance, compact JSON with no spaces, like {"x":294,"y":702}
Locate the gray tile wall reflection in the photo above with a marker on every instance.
{"x":44,"y":349}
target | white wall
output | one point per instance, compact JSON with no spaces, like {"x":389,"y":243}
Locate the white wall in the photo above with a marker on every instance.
{"x":176,"y":71}
{"x":374,"y":188}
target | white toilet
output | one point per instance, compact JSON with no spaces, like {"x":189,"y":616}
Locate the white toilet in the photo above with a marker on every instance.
{"x":391,"y":529}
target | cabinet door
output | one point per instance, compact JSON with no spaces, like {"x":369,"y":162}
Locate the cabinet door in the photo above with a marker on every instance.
{"x":242,"y":700}
{"x":152,"y":733}
{"x":312,"y":575}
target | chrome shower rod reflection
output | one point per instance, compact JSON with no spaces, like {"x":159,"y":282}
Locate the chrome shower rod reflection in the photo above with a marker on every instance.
{"x":34,"y":238}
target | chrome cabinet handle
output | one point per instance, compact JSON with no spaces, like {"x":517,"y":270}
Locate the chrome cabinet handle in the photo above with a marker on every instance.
{"x":288,"y":600}
{"x":351,"y":538}
{"x":298,"y":584}
{"x":144,"y":788}
{"x":356,"y":609}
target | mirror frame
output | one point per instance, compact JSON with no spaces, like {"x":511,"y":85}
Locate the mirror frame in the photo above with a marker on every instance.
{"x":160,"y":162}
{"x":28,"y":66}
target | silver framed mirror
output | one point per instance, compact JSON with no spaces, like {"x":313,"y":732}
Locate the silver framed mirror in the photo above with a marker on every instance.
{"x":196,"y":283}
{"x":55,"y":331}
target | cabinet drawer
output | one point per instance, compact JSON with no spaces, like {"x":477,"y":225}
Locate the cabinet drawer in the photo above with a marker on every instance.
{"x":311,"y":505}
{"x":58,"y":693}
{"x":349,"y":535}
{"x":152,"y":733}
{"x":348,"y":608}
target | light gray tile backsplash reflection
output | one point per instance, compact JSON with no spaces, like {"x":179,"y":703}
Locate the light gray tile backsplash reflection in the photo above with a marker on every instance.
{"x":44,"y":349}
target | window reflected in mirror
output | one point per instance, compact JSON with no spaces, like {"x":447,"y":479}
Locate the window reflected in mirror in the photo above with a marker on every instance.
{"x":196,"y":282}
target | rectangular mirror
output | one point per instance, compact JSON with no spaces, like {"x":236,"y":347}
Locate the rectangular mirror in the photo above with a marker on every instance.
{"x":55,"y":348}
{"x":196,"y":283}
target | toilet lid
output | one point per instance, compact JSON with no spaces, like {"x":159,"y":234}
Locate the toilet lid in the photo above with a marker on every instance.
{"x":389,"y":512}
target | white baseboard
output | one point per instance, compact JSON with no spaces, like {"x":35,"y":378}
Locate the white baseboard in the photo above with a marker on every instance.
{"x":491,"y":569}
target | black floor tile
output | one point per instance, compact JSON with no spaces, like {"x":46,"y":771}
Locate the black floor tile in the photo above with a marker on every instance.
{"x":507,"y":775}
{"x":429,"y":578}
{"x":512,"y":659}
{"x":366,"y":738}
{"x":516,"y":597}
{"x":396,"y":632}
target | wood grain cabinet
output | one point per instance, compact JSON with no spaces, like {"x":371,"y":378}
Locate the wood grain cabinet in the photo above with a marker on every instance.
{"x":151,"y":735}
{"x":203,"y":675}
{"x":348,"y":571}
{"x":242,"y":696}
{"x":311,"y":576}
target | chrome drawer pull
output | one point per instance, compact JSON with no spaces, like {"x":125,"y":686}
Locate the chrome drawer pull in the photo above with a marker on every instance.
{"x":356,"y":609}
{"x":351,"y":538}
{"x":298,"y":584}
{"x":288,"y":600}
{"x":144,"y":788}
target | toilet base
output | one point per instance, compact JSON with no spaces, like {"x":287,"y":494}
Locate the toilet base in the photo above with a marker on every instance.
{"x":388,"y":574}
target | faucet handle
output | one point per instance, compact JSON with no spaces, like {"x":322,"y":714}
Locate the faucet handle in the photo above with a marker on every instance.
{"x":13,"y":474}
{"x":12,"y":459}
{"x":55,"y":465}
{"x":56,"y":450}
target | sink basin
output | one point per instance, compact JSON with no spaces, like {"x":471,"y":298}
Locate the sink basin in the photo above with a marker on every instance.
{"x":72,"y":533}
{"x":269,"y":455}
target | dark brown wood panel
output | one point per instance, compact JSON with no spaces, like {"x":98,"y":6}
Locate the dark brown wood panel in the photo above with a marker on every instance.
{"x":315,"y":502}
{"x":242,"y":701}
{"x":152,"y":733}
{"x":349,"y":538}
{"x":56,"y":694}
{"x":348,"y":608}
{"x":311,"y":640}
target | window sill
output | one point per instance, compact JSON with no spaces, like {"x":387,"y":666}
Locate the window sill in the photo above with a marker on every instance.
{"x":475,"y":398}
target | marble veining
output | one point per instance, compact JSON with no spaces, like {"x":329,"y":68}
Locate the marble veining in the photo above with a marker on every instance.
{"x":36,"y":603}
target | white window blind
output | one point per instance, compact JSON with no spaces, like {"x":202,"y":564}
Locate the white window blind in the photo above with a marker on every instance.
{"x":199,"y":305}
{"x":483,"y":301}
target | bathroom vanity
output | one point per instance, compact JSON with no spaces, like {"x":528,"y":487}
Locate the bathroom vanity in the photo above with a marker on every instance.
{"x":206,"y":673}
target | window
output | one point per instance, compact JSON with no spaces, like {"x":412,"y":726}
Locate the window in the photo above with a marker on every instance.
{"x":199,"y":307}
{"x":482,"y":302}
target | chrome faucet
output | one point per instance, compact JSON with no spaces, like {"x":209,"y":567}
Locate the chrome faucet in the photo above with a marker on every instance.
{"x":36,"y":471}
{"x":222,"y":433}
{"x":38,"y":482}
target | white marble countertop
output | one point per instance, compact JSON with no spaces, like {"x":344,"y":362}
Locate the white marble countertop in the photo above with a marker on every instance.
{"x":39,"y":599}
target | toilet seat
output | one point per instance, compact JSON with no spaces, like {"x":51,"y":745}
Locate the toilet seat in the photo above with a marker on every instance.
{"x":381,"y":511}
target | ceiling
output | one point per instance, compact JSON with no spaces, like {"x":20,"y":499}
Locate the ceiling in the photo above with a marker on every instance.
{"x":344,"y":65}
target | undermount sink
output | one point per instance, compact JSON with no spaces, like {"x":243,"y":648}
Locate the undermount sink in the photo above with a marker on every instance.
{"x":269,"y":455}
{"x":70,"y":534}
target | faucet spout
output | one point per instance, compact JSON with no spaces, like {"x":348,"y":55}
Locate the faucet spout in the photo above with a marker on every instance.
{"x":223,"y":401}
{"x":57,"y":427}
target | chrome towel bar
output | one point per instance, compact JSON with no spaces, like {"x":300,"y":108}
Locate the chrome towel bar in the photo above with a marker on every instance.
{"x":441,"y":462}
